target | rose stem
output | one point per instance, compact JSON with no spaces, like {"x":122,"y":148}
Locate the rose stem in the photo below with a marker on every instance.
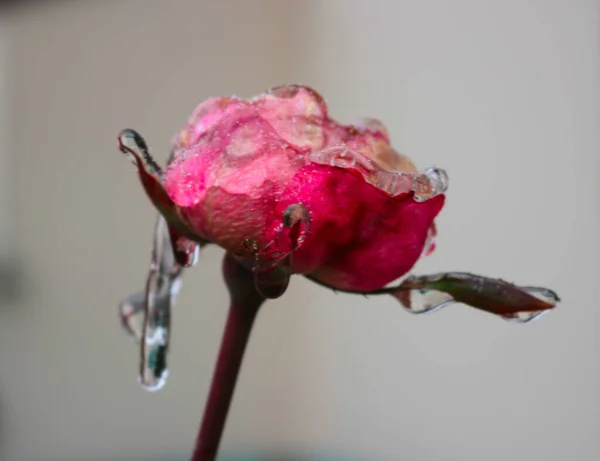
{"x":245,"y":302}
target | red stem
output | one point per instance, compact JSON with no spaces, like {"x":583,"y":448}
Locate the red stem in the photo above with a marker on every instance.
{"x":245,"y":303}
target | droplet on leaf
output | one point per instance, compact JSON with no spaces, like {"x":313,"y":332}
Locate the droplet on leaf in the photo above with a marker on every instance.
{"x":421,"y":294}
{"x":423,"y":301}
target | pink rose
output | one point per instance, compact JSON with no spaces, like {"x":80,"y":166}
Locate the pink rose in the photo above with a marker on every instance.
{"x":285,"y":189}
{"x":361,"y":215}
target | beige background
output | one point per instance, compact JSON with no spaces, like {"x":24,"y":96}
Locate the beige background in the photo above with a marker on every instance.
{"x":504,"y":94}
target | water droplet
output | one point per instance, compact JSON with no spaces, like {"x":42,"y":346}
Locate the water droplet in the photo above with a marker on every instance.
{"x":432,"y":182}
{"x":524,"y":317}
{"x":186,"y":251}
{"x":423,"y":301}
{"x":147,"y":315}
{"x":544,"y":294}
{"x":131,"y":312}
{"x":429,"y":246}
{"x":428,"y":293}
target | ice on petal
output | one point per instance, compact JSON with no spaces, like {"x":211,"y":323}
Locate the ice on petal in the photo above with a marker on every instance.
{"x":426,"y":185}
{"x":431,"y":182}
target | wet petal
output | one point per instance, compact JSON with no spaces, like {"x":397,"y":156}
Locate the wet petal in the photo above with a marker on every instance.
{"x":285,"y":238}
{"x":326,"y":194}
{"x":431,"y":182}
{"x":204,"y":117}
{"x":391,"y":240}
{"x":151,"y":175}
{"x":297,"y":113}
{"x":360,"y":238}
{"x":227,"y":184}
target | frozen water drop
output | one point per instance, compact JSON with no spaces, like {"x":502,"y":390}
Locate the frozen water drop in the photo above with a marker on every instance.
{"x":427,"y":293}
{"x":131,"y":312}
{"x":155,"y":373}
{"x":525,"y":317}
{"x":342,"y":157}
{"x":147,"y":315}
{"x":429,"y":246}
{"x":418,"y":301}
{"x":186,"y":251}
{"x":543,"y":294}
{"x":432,"y":182}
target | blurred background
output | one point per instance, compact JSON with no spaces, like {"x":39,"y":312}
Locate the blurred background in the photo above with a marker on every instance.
{"x":504,"y":94}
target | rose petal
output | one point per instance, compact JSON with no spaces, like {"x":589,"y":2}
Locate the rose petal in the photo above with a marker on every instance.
{"x":204,"y":117}
{"x":360,"y":238}
{"x":297,"y":114}
{"x":392,"y":240}
{"x":327,"y":194}
{"x":227,"y":184}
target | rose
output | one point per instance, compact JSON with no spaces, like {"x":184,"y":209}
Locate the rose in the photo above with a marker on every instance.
{"x":285,"y":189}
{"x":362,"y":214}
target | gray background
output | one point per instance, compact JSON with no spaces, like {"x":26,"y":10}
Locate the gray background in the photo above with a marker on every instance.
{"x":503,"y":94}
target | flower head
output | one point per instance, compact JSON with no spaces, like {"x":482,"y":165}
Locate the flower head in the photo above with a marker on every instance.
{"x":285,"y":189}
{"x":276,"y":181}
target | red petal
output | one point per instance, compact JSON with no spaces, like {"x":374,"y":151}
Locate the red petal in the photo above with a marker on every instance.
{"x":327,"y":193}
{"x":226,"y":185}
{"x":360,"y":238}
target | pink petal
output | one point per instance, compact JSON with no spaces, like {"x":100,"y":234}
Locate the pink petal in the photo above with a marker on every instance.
{"x":204,"y":117}
{"x":297,"y":113}
{"x":227,"y":183}
{"x":360,"y":238}
{"x":392,"y":240}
